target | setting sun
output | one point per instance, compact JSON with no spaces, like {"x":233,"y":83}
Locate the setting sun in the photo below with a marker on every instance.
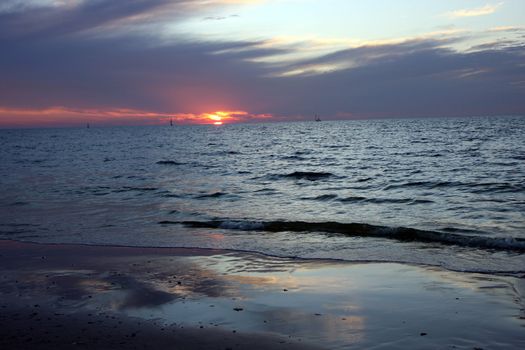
{"x":220,"y":117}
{"x":214,"y":117}
{"x":217,"y":117}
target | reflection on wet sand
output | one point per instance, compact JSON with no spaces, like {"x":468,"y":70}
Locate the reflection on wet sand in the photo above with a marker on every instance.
{"x":332,"y":304}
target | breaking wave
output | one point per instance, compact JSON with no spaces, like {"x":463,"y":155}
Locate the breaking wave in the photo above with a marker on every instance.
{"x":362,"y":230}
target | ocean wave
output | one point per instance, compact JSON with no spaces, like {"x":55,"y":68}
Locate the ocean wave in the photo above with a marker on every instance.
{"x":265,"y":191}
{"x":336,"y":146}
{"x":352,"y":199}
{"x":221,"y":153}
{"x":172,"y":195}
{"x":479,"y":187}
{"x":423,"y":184}
{"x":361,"y":199}
{"x":321,"y":198}
{"x":362,"y":230}
{"x":169,"y":162}
{"x":16,"y":229}
{"x":19,"y":203}
{"x":135,"y":189}
{"x":294,"y":157}
{"x":211,"y":195}
{"x":503,"y":187}
{"x":390,"y":200}
{"x":303,"y":175}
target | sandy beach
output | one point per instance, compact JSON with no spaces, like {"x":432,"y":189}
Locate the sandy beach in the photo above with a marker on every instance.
{"x":73,"y":296}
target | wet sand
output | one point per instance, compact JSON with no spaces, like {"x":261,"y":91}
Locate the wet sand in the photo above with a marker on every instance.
{"x":88,"y":297}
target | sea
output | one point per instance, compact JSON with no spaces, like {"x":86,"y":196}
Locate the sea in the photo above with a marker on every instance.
{"x":447,"y":192}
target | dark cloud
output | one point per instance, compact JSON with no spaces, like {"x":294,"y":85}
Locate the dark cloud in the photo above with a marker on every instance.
{"x":419,"y":79}
{"x":52,"y":21}
{"x":124,"y":72}
{"x":50,"y":61}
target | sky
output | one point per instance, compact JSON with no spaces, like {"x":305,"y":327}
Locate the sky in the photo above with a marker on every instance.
{"x":134,"y":62}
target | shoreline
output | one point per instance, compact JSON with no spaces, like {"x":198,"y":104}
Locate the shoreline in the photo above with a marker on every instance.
{"x":181,"y":249}
{"x":245,"y":300}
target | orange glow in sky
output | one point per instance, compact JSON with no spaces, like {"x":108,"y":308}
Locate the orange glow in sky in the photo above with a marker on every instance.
{"x":58,"y":115}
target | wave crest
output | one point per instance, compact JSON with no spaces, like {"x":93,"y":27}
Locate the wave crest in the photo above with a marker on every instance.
{"x":363,"y":230}
{"x":303,"y":175}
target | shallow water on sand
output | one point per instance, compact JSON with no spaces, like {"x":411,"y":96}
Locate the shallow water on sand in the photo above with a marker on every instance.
{"x":335,"y":305}
{"x":448,"y":192}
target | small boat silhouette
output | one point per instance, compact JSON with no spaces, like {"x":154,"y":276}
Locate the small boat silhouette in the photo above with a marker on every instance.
{"x":317,"y":119}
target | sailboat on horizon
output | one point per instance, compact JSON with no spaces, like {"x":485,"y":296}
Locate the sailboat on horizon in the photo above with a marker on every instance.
{"x":317,"y":119}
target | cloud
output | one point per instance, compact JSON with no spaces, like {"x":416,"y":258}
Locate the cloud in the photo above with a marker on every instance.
{"x":101,"y":17}
{"x":354,"y":57}
{"x":131,"y":74}
{"x":479,"y":11}
{"x":510,"y":29}
{"x":294,"y":55}
{"x":219,"y":18}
